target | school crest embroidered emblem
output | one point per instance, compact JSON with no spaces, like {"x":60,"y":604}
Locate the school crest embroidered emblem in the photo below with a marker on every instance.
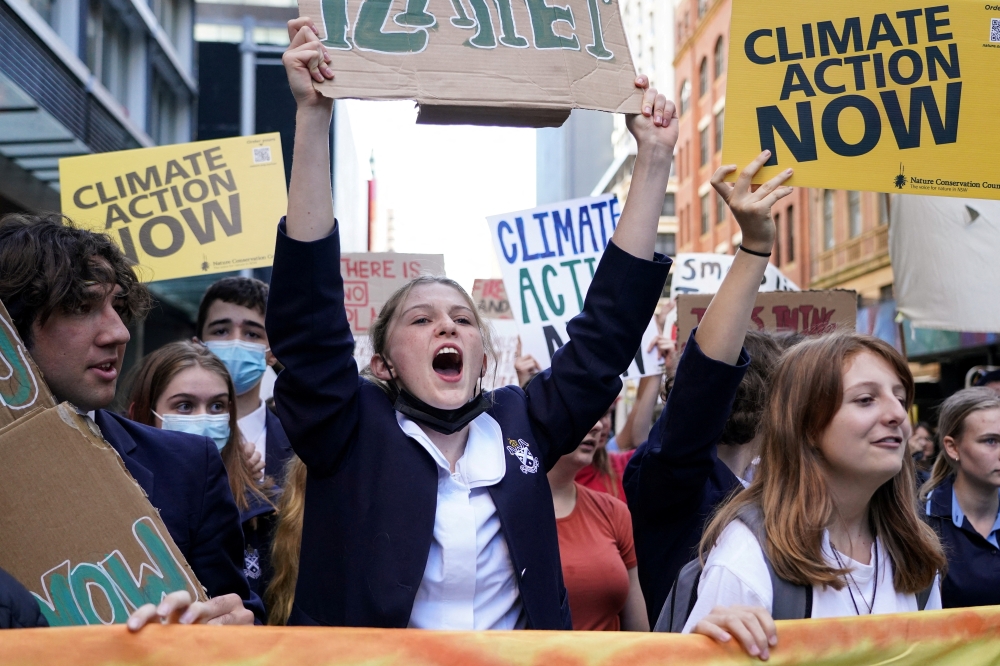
{"x":251,"y":563}
{"x":520,"y":450}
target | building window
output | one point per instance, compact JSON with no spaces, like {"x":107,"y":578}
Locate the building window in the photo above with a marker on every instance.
{"x":666,"y":244}
{"x":703,"y":77}
{"x":720,"y":118}
{"x":854,"y":213}
{"x":720,"y":63}
{"x":668,"y":205}
{"x":168,"y":13}
{"x":703,"y":141}
{"x":720,"y":209}
{"x":828,"y":219}
{"x":885,"y":294}
{"x":883,"y":209}
{"x":702,"y":7}
{"x":44,"y":9}
{"x":108,"y":48}
{"x":790,"y":226}
{"x":162,"y":112}
{"x":705,"y":222}
{"x":777,"y":239}
{"x":685,"y":96}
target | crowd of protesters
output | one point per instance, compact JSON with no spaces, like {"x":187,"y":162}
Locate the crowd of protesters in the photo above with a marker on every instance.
{"x":782,"y":478}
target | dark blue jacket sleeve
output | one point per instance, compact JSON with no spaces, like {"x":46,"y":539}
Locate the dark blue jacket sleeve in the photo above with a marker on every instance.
{"x":668,"y":472}
{"x":566,"y":400}
{"x":18,"y":609}
{"x":216,"y":551}
{"x":316,"y":394}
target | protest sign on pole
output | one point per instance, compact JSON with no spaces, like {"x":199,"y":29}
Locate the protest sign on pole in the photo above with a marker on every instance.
{"x":892,"y":96}
{"x":76,"y":529}
{"x":186,"y":209}
{"x":807,"y":312}
{"x":547,"y":257}
{"x":491,"y":299}
{"x":703,"y":272}
{"x":524,"y":63}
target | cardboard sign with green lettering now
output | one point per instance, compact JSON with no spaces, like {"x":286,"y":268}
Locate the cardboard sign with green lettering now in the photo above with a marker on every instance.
{"x":76,"y":529}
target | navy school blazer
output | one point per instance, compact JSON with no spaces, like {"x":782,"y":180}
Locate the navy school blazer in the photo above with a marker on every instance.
{"x":675,"y":481}
{"x":185,"y":480}
{"x":18,"y":609}
{"x":279,"y":449}
{"x":973,"y":577}
{"x":371,"y":494}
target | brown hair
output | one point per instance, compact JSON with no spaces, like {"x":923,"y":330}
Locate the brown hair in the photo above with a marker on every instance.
{"x":286,"y":544}
{"x":150,"y":380}
{"x":47,"y":264}
{"x":379,"y":331}
{"x":951,"y":423}
{"x":244,"y":291}
{"x":790,"y":485}
{"x":751,"y":395}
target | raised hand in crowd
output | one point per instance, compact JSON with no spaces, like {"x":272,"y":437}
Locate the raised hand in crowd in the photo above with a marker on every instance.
{"x":178,"y":608}
{"x":255,"y":461}
{"x":525,"y":366}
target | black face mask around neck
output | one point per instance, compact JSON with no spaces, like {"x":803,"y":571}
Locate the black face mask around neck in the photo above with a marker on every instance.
{"x":445,"y":421}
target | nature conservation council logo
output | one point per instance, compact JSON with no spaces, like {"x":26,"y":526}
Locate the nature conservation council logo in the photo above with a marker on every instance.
{"x":900,"y":180}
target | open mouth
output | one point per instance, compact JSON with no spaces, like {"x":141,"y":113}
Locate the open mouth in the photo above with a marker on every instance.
{"x":448,"y":363}
{"x":891,"y":442}
{"x":106,"y":370}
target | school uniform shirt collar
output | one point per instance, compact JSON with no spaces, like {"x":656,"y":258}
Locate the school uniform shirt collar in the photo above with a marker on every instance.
{"x":483,"y":462}
{"x":253,"y":424}
{"x":468,"y":581}
{"x":958,"y":517}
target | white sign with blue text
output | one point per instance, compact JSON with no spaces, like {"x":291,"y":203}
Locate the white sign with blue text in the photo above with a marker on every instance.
{"x":548,"y":256}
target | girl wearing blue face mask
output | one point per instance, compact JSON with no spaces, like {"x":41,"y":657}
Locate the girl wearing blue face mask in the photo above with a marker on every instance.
{"x":184,"y":386}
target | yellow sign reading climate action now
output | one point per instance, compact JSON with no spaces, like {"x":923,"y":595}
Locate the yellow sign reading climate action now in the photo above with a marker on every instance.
{"x":185,"y":209}
{"x":895,"y":96}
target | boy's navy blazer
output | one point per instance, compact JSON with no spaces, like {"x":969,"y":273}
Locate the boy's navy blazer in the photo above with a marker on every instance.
{"x":18,"y":609}
{"x":371,"y":493}
{"x":184,"y":478}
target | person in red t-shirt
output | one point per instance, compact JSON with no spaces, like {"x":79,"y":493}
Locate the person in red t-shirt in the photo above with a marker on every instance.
{"x":604,"y":472}
{"x":595,"y":546}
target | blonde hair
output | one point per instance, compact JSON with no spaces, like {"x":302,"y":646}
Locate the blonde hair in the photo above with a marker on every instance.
{"x":286,"y":544}
{"x":951,"y":423}
{"x":790,"y":485}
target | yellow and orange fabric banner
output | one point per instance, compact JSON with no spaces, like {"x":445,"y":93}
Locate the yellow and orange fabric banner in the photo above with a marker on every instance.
{"x":964,"y":637}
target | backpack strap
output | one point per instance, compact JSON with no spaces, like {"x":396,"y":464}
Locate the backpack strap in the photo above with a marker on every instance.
{"x":681,"y":600}
{"x":923,"y":595}
{"x":790,"y":600}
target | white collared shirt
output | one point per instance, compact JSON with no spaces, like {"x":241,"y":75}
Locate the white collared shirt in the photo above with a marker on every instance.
{"x":253,"y":427}
{"x":469,"y":579}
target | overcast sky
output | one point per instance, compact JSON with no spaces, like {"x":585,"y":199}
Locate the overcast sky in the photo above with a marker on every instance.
{"x":442,"y":181}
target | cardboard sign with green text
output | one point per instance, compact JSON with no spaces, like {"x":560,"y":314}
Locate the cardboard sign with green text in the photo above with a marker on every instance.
{"x":890,"y":96}
{"x":483,"y":62}
{"x":76,"y":529}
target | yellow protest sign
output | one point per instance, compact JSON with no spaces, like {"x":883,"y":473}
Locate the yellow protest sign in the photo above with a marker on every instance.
{"x":893,"y":96}
{"x":186,"y":209}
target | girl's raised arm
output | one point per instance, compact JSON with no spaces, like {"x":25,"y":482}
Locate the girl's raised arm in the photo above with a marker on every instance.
{"x":310,"y":199}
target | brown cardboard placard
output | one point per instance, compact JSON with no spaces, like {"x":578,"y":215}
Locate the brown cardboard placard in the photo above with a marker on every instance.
{"x":491,"y":299}
{"x":76,"y":529}
{"x":808,"y":312}
{"x":522,"y":63}
{"x":22,"y":388}
{"x":370,"y":278}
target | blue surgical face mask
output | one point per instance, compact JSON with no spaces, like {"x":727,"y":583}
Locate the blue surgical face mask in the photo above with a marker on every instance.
{"x":246,"y":361}
{"x":213,"y":426}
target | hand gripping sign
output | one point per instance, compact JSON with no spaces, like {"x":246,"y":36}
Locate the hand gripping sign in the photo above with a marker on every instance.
{"x":894,"y":96}
{"x":483,"y":62}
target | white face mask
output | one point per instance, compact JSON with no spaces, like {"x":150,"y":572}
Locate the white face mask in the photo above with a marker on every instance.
{"x":213,"y":426}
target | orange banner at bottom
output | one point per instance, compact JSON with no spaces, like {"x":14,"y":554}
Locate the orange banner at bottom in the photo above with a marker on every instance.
{"x":966,"y":637}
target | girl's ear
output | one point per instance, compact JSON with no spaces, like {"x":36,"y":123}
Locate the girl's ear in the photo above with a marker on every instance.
{"x":950,"y":448}
{"x":131,"y":411}
{"x":380,"y":368}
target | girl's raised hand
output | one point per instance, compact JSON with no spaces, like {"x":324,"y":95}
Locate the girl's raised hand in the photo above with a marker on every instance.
{"x":751,"y":205}
{"x":306,"y":61}
{"x":657,"y":124}
{"x":752,"y":626}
